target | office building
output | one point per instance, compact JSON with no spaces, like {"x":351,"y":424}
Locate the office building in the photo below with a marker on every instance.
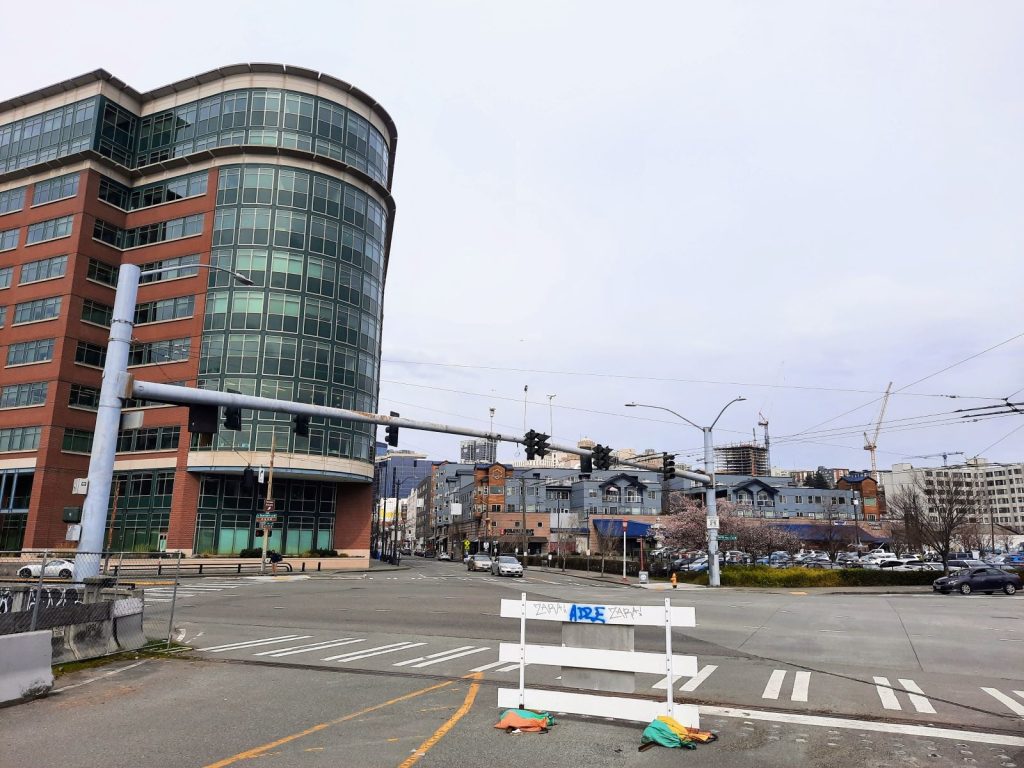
{"x":279,"y":173}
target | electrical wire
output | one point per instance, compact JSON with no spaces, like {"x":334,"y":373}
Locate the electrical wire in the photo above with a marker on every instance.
{"x":1012,"y":432}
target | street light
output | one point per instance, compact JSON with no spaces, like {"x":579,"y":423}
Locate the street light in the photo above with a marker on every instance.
{"x":710,"y":504}
{"x":108,"y":414}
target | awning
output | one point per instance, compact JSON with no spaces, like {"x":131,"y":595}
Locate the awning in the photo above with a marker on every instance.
{"x":611,"y":527}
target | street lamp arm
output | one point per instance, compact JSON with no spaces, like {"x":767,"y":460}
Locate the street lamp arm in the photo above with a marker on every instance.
{"x":159,"y":270}
{"x":734,"y":400}
{"x":663,"y":408}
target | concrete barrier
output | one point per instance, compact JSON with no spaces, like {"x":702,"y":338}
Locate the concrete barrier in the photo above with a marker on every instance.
{"x":25,"y":666}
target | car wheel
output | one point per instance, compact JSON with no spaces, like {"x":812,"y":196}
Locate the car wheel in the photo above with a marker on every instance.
{"x":1009,"y":589}
{"x":65,"y":573}
{"x":965,"y":589}
{"x":25,"y":573}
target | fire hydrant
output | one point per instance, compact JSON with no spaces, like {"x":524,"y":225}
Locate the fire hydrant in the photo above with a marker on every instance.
{"x":673,"y":579}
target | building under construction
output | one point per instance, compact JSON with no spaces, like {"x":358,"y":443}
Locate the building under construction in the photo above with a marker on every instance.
{"x":742,"y":459}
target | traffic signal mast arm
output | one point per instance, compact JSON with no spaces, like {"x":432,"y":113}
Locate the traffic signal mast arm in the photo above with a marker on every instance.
{"x":177,"y":395}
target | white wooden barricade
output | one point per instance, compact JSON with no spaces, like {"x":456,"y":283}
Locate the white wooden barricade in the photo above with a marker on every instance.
{"x":617,"y":707}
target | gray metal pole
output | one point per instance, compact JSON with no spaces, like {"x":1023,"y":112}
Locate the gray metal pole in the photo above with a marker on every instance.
{"x":108,"y":422}
{"x":714,"y":579}
{"x":174,"y":600}
{"x":39,"y":594}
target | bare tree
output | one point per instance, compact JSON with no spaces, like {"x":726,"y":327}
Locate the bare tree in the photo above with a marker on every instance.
{"x":835,"y":537}
{"x":972,"y":536}
{"x":935,"y":511}
{"x":607,"y":543}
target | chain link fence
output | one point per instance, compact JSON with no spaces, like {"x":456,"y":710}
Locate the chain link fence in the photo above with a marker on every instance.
{"x":94,"y":603}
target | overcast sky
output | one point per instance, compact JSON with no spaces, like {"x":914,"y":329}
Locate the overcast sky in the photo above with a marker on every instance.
{"x":672,"y":203}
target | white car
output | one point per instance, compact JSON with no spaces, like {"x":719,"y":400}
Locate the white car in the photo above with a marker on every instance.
{"x":62,"y":569}
{"x":444,"y":556}
{"x":506,"y":565}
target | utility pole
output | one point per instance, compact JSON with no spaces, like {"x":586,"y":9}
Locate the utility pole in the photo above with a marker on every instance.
{"x":269,"y":504}
{"x":522,"y":484}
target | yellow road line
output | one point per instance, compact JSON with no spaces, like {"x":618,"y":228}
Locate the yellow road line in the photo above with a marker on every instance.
{"x":425,"y":747}
{"x":257,"y":751}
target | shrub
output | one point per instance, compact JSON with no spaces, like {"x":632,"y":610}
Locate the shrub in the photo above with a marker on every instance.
{"x":762,"y":576}
{"x":251,"y":552}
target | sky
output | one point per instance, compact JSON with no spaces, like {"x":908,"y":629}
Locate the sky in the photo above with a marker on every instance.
{"x":672,"y":203}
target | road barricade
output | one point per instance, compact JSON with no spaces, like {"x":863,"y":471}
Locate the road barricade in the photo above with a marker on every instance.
{"x":607,"y":662}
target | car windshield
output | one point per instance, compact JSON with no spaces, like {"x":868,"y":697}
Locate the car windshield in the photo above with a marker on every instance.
{"x":508,"y":560}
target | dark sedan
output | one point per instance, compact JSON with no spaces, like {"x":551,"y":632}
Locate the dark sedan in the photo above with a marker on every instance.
{"x":986,"y":580}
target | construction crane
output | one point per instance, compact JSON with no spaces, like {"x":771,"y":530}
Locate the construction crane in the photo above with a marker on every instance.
{"x":945,"y":455}
{"x":872,"y":444}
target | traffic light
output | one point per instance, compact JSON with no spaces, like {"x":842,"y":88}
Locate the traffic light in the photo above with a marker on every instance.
{"x":233,"y":418}
{"x":530,"y":441}
{"x":668,"y":466}
{"x":301,"y":425}
{"x":602,"y":456}
{"x":541,"y":445}
{"x":392,"y":433}
{"x":202,"y":420}
{"x":586,"y":465}
{"x":248,"y":480}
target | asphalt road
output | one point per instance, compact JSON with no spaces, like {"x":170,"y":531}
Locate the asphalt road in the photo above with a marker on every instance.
{"x":369,"y":670}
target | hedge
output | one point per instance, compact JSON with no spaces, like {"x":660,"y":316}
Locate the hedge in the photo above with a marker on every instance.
{"x":762,"y":576}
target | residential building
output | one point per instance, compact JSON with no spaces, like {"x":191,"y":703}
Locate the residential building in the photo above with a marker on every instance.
{"x":872,"y":496}
{"x":279,"y":173}
{"x":478,"y":452}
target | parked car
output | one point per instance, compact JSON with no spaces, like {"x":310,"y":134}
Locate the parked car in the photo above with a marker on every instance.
{"x":506,"y":565}
{"x":63,"y":569}
{"x":985,"y":579}
{"x":444,"y":556}
{"x":479,"y":562}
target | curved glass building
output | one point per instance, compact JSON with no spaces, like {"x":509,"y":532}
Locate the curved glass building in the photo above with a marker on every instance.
{"x":279,"y":173}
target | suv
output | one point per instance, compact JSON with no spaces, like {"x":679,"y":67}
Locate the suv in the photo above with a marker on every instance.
{"x":479,"y":562}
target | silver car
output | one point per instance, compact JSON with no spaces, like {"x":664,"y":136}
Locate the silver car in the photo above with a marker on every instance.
{"x":63,"y":569}
{"x":478,"y":562}
{"x":506,"y":565}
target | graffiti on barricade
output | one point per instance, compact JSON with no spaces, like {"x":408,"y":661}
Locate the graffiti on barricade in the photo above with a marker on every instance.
{"x":15,"y":600}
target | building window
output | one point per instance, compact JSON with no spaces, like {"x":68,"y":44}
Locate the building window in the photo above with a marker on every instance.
{"x":55,"y":189}
{"x":168,"y":191}
{"x":37,"y":351}
{"x":279,"y":355}
{"x":90,"y":354}
{"x":101,"y":272}
{"x":148,"y":439}
{"x":286,"y":271}
{"x":243,"y":353}
{"x":96,"y":313}
{"x":9,"y":239}
{"x":19,"y":439}
{"x":12,"y":200}
{"x":38,"y":310}
{"x":84,"y":397}
{"x":49,"y":230}
{"x":77,"y":441}
{"x":23,"y":395}
{"x":6,"y":273}
{"x":123,"y":239}
{"x":246,"y":310}
{"x":43,"y":269}
{"x":179,"y":266}
{"x":165,"y":309}
{"x":164,"y":351}
{"x":283,"y":313}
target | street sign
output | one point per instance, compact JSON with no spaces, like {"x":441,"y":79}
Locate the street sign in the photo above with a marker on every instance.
{"x":269,"y":505}
{"x":726,"y":537}
{"x":264,"y":520}
{"x":712,"y":523}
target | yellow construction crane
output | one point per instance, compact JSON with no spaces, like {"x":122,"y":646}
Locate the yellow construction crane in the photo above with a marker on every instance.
{"x":871,"y":444}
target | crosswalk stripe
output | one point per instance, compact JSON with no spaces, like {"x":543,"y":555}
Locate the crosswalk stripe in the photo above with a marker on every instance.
{"x":1013,"y":705}
{"x":321,"y":646}
{"x":800,"y":686}
{"x":431,"y":656}
{"x":253,"y":643}
{"x":450,"y":657}
{"x":771,"y":691}
{"x":705,"y":672}
{"x":916,"y":696}
{"x":886,"y":693}
{"x":492,"y":665}
{"x":365,"y":653}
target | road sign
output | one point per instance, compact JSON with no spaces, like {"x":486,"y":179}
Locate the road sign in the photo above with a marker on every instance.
{"x":268,"y":506}
{"x":712,"y":523}
{"x":264,"y":520}
{"x":726,"y":537}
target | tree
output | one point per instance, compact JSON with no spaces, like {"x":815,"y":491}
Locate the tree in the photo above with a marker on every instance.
{"x":934,"y":511}
{"x":818,"y":480}
{"x":685,"y":527}
{"x":835,"y":537}
{"x":607,"y":543}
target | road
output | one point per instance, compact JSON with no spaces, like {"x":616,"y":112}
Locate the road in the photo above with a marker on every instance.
{"x":785,"y":677}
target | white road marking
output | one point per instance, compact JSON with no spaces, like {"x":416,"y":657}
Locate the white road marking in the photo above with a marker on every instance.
{"x":365,"y":653}
{"x":865,"y":725}
{"x":492,"y":665}
{"x":450,"y":657}
{"x":101,"y":677}
{"x":254,"y":643}
{"x":916,"y":696}
{"x":771,"y":691}
{"x":321,"y":646}
{"x":691,"y":684}
{"x":886,"y":694}
{"x":1013,"y":705}
{"x":431,"y":656}
{"x":800,"y":686}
